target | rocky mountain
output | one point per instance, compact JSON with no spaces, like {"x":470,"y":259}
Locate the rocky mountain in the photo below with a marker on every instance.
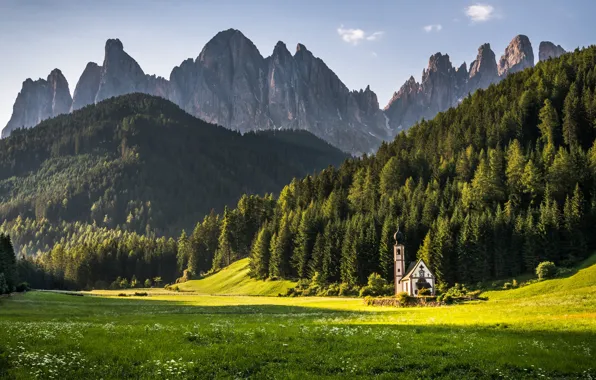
{"x":443,"y":86}
{"x":548,"y":50}
{"x":231,"y":84}
{"x":39,"y":100}
{"x":518,"y":56}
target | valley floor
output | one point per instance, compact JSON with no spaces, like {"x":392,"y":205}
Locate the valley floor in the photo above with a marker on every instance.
{"x":545,"y":330}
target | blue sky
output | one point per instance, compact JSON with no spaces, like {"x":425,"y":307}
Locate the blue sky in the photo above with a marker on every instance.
{"x":376,"y":43}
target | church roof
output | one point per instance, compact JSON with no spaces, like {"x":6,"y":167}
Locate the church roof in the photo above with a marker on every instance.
{"x":413,"y":266}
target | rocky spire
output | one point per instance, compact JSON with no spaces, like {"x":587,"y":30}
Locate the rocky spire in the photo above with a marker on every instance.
{"x":518,"y":56}
{"x":39,"y":100}
{"x":87,"y":86}
{"x":438,"y":82}
{"x":483,"y":70}
{"x":548,"y":50}
{"x":120,"y":73}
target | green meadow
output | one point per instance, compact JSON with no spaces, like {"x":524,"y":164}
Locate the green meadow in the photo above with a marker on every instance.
{"x":543,"y":330}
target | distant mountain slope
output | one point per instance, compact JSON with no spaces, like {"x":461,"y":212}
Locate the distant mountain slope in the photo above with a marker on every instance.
{"x":231,"y":84}
{"x":141,"y":162}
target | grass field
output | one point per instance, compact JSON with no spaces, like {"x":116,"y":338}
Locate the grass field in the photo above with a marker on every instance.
{"x":545,"y":330}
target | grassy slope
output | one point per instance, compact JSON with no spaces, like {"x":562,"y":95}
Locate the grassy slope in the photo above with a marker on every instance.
{"x":234,"y":280}
{"x":583,"y":281}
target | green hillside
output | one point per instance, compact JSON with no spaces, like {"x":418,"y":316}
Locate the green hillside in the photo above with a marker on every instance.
{"x":234,"y":280}
{"x":582,"y":283}
{"x":140,"y":164}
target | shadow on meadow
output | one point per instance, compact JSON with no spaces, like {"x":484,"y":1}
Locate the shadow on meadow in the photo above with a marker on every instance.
{"x":263,"y":340}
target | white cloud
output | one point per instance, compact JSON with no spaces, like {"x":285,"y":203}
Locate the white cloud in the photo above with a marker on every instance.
{"x":375,"y":36}
{"x":355,"y":36}
{"x":374,"y":54}
{"x":480,"y":12}
{"x":433,"y":27}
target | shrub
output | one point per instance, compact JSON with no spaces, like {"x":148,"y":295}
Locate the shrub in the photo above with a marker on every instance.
{"x":124,"y":284}
{"x":403,"y":298}
{"x":507,"y":285}
{"x":141,"y":294}
{"x":346,"y":290}
{"x":389,"y":290}
{"x":121,"y":294}
{"x":332,"y":290}
{"x":366,"y":291}
{"x":187,"y":275}
{"x":147,"y":283}
{"x":317,"y":280}
{"x":23,"y":287}
{"x":545,"y":270}
{"x":447,"y":299}
{"x":514,"y":283}
{"x":424,"y":292}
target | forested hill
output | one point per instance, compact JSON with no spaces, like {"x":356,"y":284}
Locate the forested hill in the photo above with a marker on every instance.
{"x":142,"y":164}
{"x":486,"y":190}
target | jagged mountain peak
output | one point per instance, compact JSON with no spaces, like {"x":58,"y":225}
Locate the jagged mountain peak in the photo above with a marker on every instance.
{"x":547,"y":50}
{"x":518,"y":56}
{"x":114,"y":44}
{"x":231,"y":84}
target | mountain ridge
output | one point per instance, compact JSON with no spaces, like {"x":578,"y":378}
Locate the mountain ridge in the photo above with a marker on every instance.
{"x":232,"y":84}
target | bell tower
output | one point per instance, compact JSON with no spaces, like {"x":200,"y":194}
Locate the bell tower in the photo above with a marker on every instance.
{"x":398,"y":258}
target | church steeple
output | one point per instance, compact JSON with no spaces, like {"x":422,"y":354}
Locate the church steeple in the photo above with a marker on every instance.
{"x":399,"y":261}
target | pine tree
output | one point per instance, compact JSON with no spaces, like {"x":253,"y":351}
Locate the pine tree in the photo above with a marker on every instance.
{"x":572,"y":117}
{"x":260,"y":254}
{"x":305,"y":240}
{"x":549,"y":124}
{"x":386,"y":248}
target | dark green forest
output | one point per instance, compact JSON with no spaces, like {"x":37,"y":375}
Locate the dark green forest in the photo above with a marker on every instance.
{"x":140,"y":164}
{"x":483,"y":191}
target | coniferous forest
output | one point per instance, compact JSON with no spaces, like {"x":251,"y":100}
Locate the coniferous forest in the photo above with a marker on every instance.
{"x":483,"y":191}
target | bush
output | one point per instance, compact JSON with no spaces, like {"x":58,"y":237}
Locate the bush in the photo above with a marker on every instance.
{"x":147,"y":283}
{"x":346,"y":290}
{"x":545,"y":270}
{"x":507,"y":285}
{"x":367,"y":291}
{"x":424,"y":292}
{"x":121,"y":294}
{"x":141,"y":294}
{"x":23,"y":287}
{"x":332,"y":290}
{"x":447,"y":299}
{"x":403,"y":298}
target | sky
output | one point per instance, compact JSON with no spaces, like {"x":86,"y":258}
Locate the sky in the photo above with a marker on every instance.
{"x":377,"y":43}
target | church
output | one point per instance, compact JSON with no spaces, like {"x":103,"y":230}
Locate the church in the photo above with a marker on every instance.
{"x":417,"y":276}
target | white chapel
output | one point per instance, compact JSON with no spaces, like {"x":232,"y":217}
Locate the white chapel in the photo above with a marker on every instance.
{"x":417,"y":276}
